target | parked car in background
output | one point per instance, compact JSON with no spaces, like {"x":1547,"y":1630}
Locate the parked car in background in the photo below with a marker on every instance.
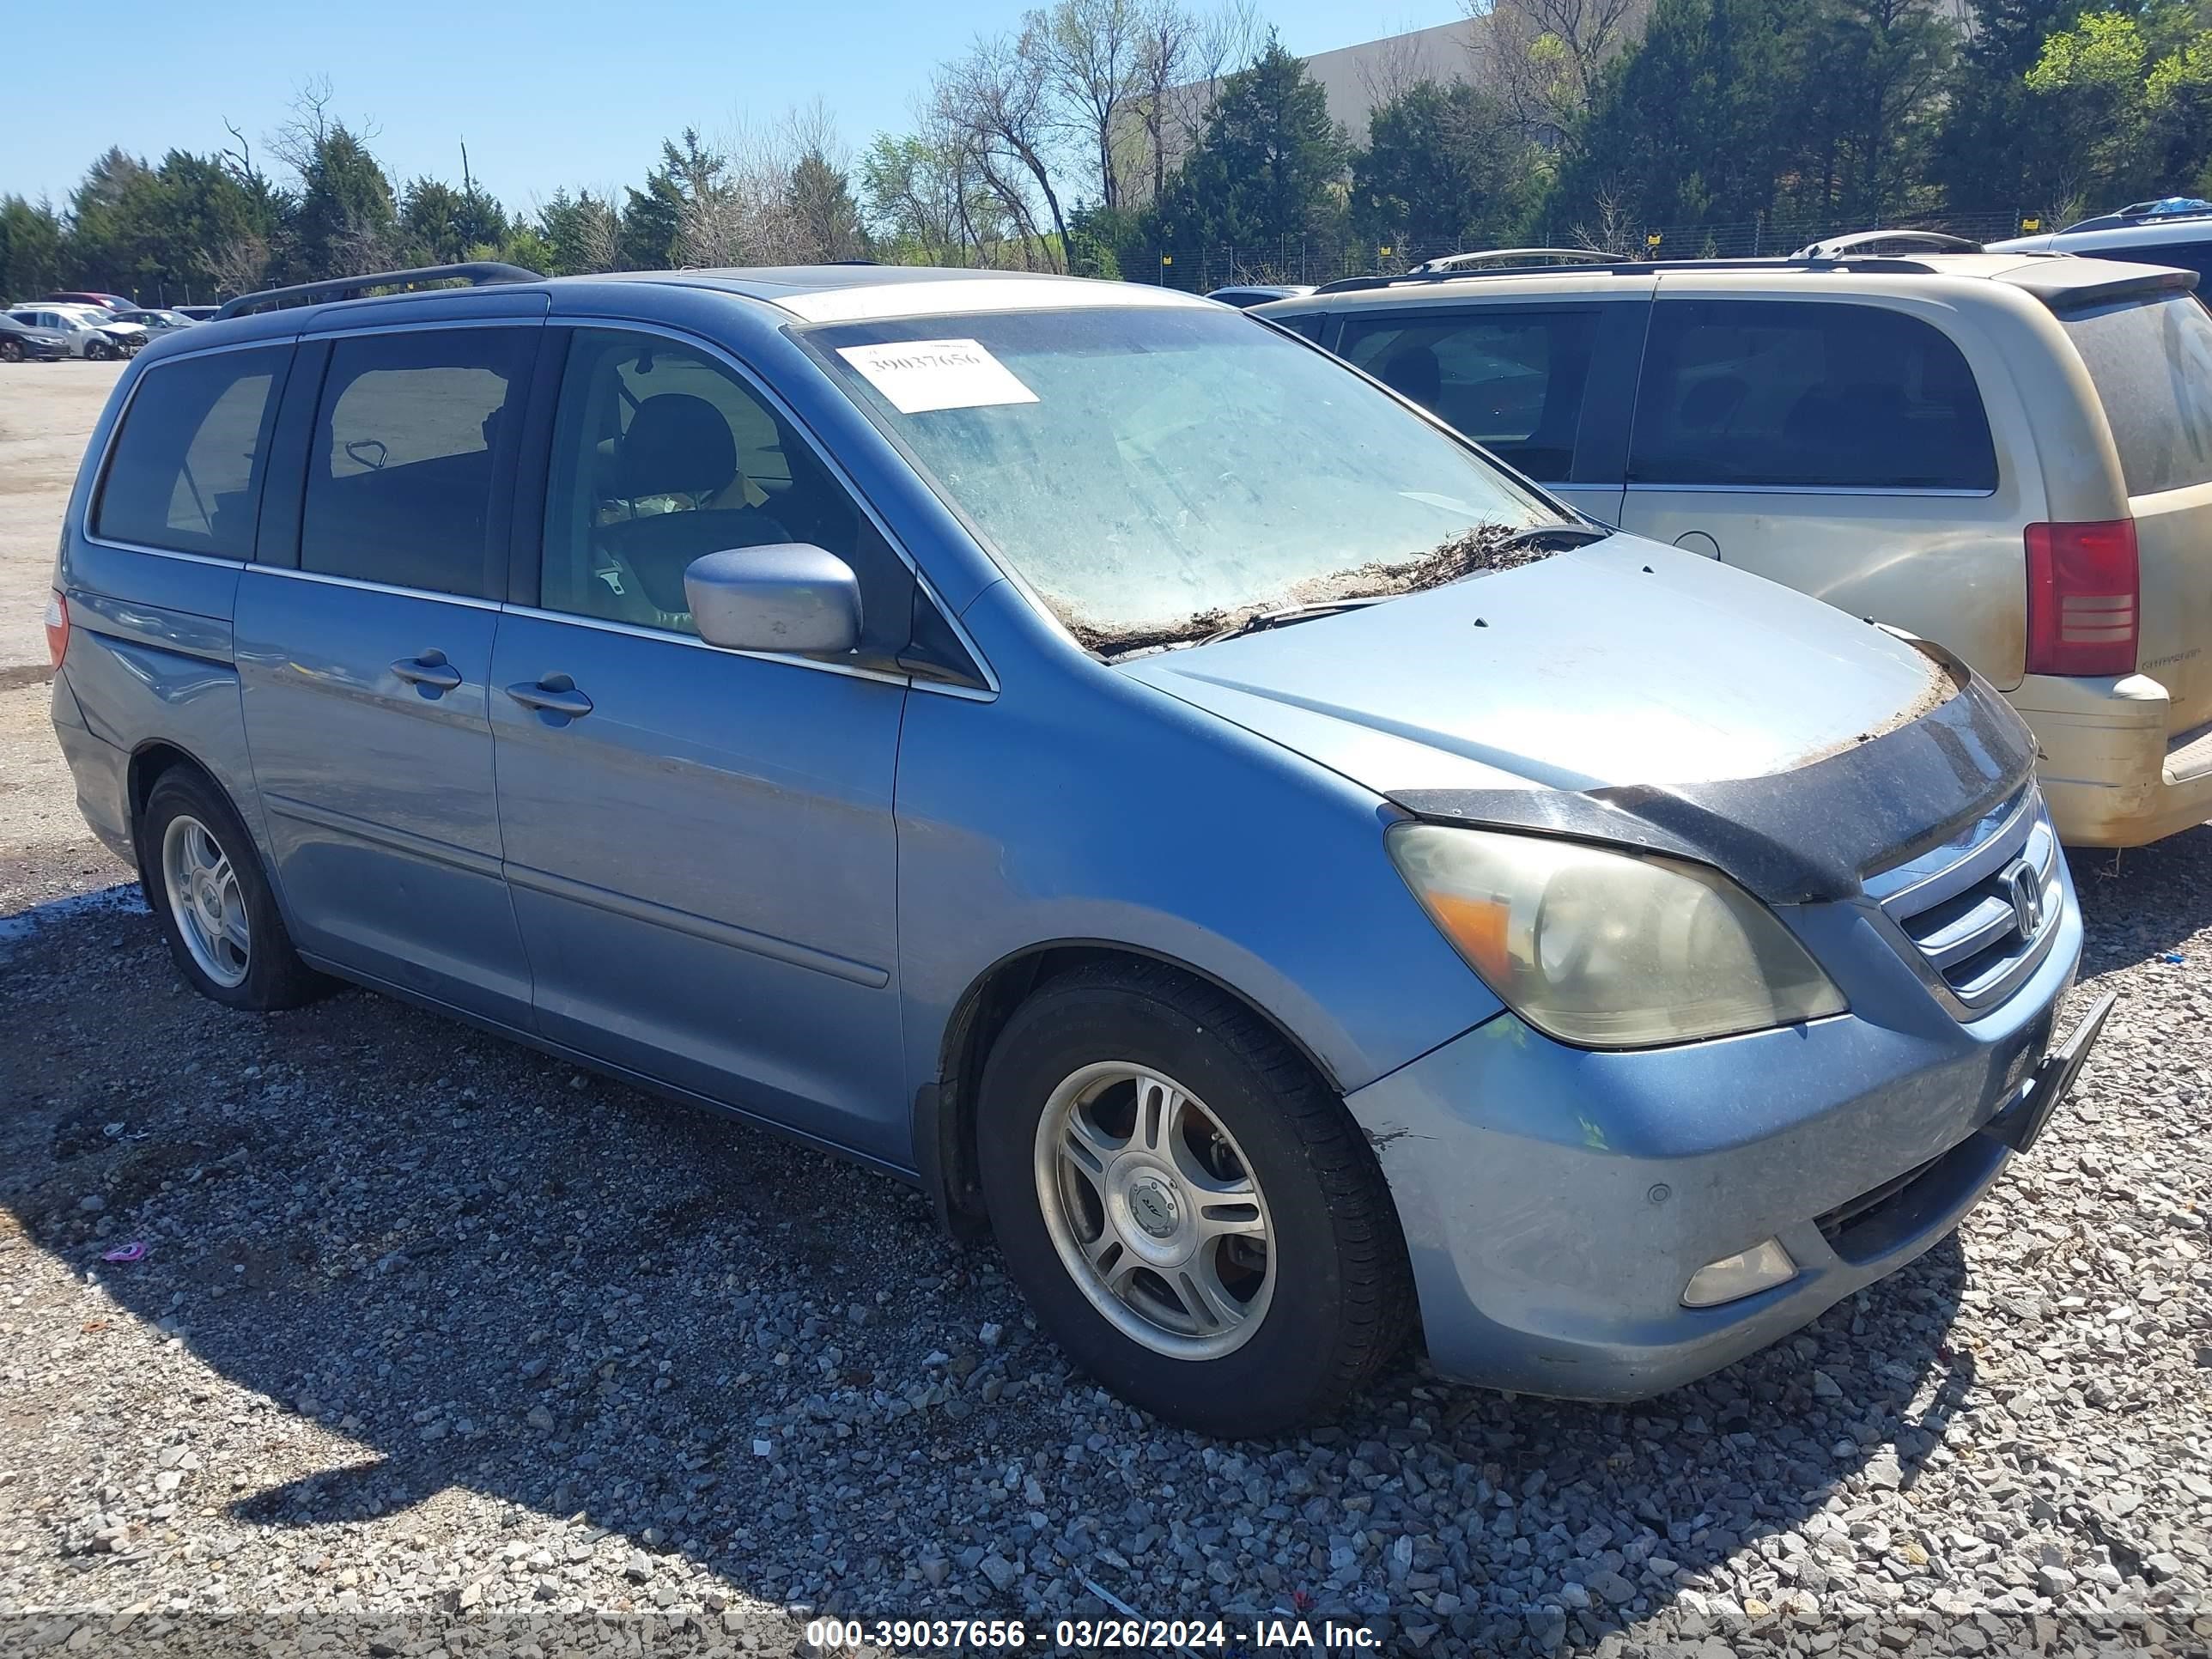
{"x":2175,"y":231}
{"x":2009,"y":454}
{"x":79,"y":325}
{"x":89,"y":297}
{"x":23,"y":342}
{"x":197,"y":314}
{"x":1243,"y":296}
{"x":1616,"y":956}
{"x":127,"y":337}
{"x":157,"y":321}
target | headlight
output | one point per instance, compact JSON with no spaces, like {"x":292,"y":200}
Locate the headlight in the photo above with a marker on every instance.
{"x":1610,"y":949}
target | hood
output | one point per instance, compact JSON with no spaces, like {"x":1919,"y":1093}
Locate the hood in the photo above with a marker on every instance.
{"x":1621,"y":662}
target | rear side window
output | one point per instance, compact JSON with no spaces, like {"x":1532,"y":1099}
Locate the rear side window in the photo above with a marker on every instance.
{"x":1307,"y":323}
{"x":1512,"y":381}
{"x":1744,"y":393}
{"x":400,"y":466}
{"x":2152,"y":367}
{"x":185,"y":474}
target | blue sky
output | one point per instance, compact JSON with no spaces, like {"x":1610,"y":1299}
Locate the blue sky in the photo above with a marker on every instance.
{"x":562,"y":92}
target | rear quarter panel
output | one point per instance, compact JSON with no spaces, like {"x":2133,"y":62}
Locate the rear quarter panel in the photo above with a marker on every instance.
{"x":150,"y":657}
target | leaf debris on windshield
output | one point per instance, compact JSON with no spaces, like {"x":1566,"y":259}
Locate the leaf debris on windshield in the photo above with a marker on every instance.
{"x":1482,"y":549}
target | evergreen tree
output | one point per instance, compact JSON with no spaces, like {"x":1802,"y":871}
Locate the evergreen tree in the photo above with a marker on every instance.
{"x":821,"y":201}
{"x":1442,"y":163}
{"x":1997,"y":142}
{"x":346,"y":221}
{"x":1269,"y":166}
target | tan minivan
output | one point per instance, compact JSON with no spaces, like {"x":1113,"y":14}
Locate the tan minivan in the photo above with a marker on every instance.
{"x":2009,"y":454}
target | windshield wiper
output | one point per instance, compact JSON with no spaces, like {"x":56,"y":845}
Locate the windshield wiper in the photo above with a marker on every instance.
{"x":1564,"y":534}
{"x":1260,"y":621}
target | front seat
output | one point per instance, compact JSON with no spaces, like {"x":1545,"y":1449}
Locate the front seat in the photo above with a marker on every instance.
{"x":1413,"y":372}
{"x":678,"y":449}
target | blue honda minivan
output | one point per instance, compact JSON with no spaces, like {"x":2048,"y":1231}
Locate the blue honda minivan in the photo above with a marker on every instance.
{"x":1084,"y":751}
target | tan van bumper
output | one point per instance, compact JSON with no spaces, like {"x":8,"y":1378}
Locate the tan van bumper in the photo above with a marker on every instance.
{"x":2112,"y":773}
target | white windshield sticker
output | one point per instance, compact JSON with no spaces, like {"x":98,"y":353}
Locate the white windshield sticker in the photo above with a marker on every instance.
{"x":920,"y":376}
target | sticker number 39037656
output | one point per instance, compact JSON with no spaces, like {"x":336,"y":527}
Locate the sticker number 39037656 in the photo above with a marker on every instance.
{"x":918,"y":376}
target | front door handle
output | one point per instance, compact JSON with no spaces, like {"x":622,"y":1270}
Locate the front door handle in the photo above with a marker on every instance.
{"x":430,"y":671}
{"x":553,"y":694}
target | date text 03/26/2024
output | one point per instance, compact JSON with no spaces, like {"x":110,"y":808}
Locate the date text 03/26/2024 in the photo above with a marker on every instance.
{"x":1091,"y":1635}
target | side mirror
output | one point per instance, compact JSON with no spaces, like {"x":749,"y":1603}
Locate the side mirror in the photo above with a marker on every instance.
{"x":784,"y":596}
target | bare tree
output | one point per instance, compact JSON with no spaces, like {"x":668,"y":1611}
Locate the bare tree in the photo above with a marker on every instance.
{"x":236,"y":267}
{"x":1391,"y":67}
{"x":1615,"y":226}
{"x":996,"y":102}
{"x":1227,"y":40}
{"x":1546,"y":55}
{"x":1166,"y":45}
{"x":1089,"y":50}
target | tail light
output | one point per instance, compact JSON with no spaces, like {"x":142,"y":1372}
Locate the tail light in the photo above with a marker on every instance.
{"x":2084,"y":588}
{"x":56,"y":627}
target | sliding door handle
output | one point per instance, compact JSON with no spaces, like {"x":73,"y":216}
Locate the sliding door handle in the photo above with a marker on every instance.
{"x":554,"y":694}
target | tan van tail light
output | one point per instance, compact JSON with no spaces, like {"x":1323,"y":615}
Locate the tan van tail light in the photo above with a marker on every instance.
{"x":2084,"y":588}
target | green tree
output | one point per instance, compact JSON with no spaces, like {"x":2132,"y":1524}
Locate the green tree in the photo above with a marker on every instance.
{"x":2128,"y":98}
{"x":1694,"y":125}
{"x":1870,"y":76}
{"x":31,"y":250}
{"x":582,"y":234}
{"x":1268,"y":167}
{"x":653,"y":224}
{"x":1997,"y":142}
{"x":1442,"y":163}
{"x":821,"y":202}
{"x":346,"y":221}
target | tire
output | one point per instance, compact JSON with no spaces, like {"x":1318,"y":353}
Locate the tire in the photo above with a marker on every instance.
{"x":204,"y":883}
{"x":98,"y":351}
{"x":1302,"y":1309}
{"x":11,"y":351}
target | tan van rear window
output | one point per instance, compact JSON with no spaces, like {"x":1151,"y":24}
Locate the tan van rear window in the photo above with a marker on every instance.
{"x":2151,"y":365}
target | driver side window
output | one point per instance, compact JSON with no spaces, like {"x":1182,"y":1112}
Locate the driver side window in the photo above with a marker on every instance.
{"x":660,"y":455}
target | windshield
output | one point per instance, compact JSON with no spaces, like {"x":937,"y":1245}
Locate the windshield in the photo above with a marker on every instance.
{"x":1157,"y":473}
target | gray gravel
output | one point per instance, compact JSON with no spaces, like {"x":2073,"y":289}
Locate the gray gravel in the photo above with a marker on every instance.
{"x":438,"y":1346}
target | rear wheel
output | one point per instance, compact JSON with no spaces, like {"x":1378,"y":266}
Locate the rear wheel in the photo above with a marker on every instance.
{"x":204,"y":883}
{"x":1191,"y":1210}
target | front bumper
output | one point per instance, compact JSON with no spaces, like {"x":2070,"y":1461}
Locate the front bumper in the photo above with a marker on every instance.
{"x":1556,"y":1201}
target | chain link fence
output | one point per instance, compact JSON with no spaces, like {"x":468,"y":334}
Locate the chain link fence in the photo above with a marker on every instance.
{"x":1316,"y":261}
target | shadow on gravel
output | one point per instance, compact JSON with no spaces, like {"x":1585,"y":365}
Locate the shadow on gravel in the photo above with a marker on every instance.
{"x":2142,"y":901}
{"x":485,"y":1271}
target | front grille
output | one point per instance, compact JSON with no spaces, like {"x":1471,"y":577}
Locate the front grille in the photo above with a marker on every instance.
{"x":1980,"y":908}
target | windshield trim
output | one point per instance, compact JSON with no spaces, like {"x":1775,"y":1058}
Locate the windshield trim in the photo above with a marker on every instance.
{"x":802,"y":333}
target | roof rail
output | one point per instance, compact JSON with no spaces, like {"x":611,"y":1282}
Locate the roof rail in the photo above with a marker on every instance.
{"x":1492,"y":262}
{"x":1455,"y":261}
{"x":476,"y":273}
{"x":1935,"y":242}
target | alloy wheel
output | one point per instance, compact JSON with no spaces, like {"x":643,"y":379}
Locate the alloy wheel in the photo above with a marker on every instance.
{"x":1154,"y":1210}
{"x":206,"y":901}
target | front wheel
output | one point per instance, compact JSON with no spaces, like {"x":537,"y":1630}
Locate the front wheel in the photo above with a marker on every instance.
{"x":99,"y":350}
{"x":11,"y":351}
{"x":1193,"y":1214}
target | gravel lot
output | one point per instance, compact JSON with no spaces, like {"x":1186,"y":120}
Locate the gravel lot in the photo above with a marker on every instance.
{"x":440,"y":1347}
